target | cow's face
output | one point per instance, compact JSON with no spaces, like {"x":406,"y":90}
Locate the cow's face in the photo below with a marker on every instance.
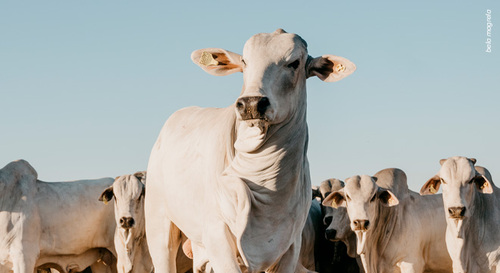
{"x":460,"y":181}
{"x":275,"y":67}
{"x":361,"y":196}
{"x":128,"y":192}
{"x":336,"y":220}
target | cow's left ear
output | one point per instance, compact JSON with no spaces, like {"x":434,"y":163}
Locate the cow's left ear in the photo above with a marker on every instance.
{"x":106,"y":195}
{"x":335,"y":199}
{"x":329,"y":68}
{"x":218,"y":62}
{"x":482,"y":184}
{"x":387,"y":198}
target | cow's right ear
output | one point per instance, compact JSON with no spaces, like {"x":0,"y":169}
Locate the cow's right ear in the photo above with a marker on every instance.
{"x":335,"y":199}
{"x":329,"y":68}
{"x":218,"y":62}
{"x":431,"y":186}
{"x":106,"y":195}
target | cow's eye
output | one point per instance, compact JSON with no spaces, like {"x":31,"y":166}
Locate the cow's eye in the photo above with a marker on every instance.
{"x":243,"y":61}
{"x":347,"y":196}
{"x":373,"y":198}
{"x":294,"y":64}
{"x":442,"y":180}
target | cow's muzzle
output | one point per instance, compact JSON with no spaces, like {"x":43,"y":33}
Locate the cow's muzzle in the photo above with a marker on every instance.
{"x":252,"y":107}
{"x":330,"y":234}
{"x":456,"y":212}
{"x":361,"y":225}
{"x":127,"y":222}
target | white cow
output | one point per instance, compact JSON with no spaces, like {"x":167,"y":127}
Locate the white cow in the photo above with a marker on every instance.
{"x":51,"y":222}
{"x":472,"y":208}
{"x":403,"y":233}
{"x":236,"y":180}
{"x":339,"y":233}
{"x":129,"y":238}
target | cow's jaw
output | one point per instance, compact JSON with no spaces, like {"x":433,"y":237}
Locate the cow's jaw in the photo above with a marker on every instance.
{"x":251,"y":134}
{"x":361,"y":241}
{"x":456,"y":227}
{"x":126,"y":235}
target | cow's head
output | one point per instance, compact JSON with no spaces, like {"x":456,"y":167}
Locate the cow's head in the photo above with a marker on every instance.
{"x":275,"y":67}
{"x":128,"y":191}
{"x":460,"y":181}
{"x":362,"y":197}
{"x":336,"y":219}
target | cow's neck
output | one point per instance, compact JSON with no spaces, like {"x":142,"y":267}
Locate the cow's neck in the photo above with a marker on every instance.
{"x":275,"y":167}
{"x":132,"y":247}
{"x":378,"y":238}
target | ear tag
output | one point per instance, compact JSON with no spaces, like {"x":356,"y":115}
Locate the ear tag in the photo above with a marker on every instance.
{"x":340,"y":68}
{"x":432,"y":189}
{"x":105,"y":201}
{"x":334,"y":205}
{"x":207,"y":59}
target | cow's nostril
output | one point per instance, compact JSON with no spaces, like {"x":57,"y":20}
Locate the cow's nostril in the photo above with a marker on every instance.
{"x":122,"y":221}
{"x":367,"y":223}
{"x":262,"y":105}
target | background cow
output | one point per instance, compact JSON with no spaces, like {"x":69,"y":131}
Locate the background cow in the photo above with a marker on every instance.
{"x":49,"y":221}
{"x":396,"y":229}
{"x":472,"y":208}
{"x":227,"y":177}
{"x":130,"y":238}
{"x":338,"y":254}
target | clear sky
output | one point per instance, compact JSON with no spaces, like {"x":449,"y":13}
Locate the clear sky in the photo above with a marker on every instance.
{"x":85,"y":86}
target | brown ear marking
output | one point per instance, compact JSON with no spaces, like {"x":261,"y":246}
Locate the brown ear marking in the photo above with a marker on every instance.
{"x":473,"y":160}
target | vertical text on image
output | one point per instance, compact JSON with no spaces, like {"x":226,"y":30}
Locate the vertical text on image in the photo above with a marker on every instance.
{"x":489,"y":26}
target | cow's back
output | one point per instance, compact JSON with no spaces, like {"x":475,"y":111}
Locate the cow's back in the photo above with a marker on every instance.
{"x":72,"y":218}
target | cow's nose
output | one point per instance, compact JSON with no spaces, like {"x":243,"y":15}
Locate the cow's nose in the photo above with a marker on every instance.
{"x":252,"y":107}
{"x":361,"y":224}
{"x":127,"y":222}
{"x":456,"y":212}
{"x":330,"y":234}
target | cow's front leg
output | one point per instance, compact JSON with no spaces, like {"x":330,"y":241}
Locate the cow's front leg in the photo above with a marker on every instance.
{"x":220,"y":247}
{"x":288,"y":262}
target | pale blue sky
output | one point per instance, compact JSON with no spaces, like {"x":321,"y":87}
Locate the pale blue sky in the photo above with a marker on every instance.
{"x":85,"y":86}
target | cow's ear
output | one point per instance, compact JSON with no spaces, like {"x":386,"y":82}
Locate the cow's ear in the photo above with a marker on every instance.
{"x":141,"y":176}
{"x":106,"y":195}
{"x":482,"y":184}
{"x":329,"y":68}
{"x":473,"y":160}
{"x":335,"y":199}
{"x":431,"y":186}
{"x":387,"y":198}
{"x":218,"y":62}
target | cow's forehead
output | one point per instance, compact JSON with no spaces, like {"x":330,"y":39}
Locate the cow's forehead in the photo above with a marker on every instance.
{"x":457,"y":170}
{"x":127,"y":186}
{"x":274,"y":46}
{"x":360,"y":187}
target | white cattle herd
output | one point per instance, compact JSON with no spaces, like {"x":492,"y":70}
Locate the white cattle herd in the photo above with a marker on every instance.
{"x":228,"y":190}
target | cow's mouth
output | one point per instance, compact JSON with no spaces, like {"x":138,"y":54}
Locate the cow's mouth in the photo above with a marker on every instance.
{"x":361,"y":241}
